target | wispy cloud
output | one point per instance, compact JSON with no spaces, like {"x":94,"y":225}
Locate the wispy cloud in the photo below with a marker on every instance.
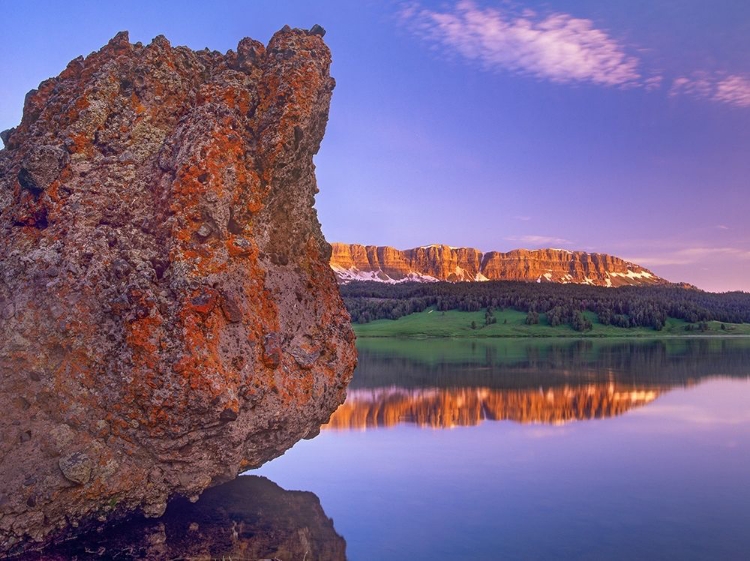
{"x":523,"y":218}
{"x":690,"y":256}
{"x":733,"y":89}
{"x":701,"y":252}
{"x":539,"y":240}
{"x":653,"y":83}
{"x":556,"y":47}
{"x":699,"y":84}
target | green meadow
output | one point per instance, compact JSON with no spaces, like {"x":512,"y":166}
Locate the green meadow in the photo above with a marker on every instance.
{"x":511,"y":323}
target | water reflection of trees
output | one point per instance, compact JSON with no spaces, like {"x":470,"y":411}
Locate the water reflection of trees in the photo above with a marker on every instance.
{"x":518,"y":364}
{"x":248,"y":518}
{"x":554,"y":382}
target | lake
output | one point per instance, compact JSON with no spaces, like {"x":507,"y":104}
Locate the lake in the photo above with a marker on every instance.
{"x":493,"y":449}
{"x":537,"y":449}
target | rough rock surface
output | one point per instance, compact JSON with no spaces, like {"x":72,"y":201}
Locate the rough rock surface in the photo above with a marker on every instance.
{"x":168,"y":317}
{"x":445,"y":263}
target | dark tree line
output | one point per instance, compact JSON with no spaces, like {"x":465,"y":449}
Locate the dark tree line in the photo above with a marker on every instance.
{"x":630,"y":306}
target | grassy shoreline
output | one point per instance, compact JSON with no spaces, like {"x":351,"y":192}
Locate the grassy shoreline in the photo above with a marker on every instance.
{"x":511,"y":324}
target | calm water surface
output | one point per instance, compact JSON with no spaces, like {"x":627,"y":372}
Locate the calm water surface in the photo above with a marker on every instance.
{"x":529,"y":449}
{"x":472,"y":450}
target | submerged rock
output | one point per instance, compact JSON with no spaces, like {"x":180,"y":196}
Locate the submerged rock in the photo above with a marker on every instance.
{"x":168,"y":318}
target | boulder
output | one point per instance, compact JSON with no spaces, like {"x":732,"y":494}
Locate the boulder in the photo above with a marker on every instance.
{"x":168,"y":318}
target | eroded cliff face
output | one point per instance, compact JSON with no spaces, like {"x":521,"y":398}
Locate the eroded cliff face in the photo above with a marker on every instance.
{"x":168,"y":317}
{"x":444,"y":263}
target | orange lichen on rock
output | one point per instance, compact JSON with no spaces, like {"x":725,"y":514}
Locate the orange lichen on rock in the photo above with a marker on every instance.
{"x":167,"y":314}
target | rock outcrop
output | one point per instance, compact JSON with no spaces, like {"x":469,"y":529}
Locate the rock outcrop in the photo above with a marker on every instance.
{"x":444,"y":263}
{"x":168,"y":317}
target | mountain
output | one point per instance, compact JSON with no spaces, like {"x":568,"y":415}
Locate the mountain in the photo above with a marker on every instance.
{"x":444,"y":263}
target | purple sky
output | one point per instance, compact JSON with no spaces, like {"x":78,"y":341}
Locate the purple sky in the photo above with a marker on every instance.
{"x":615,"y":127}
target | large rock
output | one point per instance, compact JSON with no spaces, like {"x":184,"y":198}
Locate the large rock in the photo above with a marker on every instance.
{"x":168,"y":318}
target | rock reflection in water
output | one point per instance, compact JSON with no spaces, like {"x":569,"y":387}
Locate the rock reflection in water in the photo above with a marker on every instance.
{"x":249,"y":518}
{"x":441,"y":408}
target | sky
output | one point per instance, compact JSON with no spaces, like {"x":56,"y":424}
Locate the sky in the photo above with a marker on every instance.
{"x":617,"y":127}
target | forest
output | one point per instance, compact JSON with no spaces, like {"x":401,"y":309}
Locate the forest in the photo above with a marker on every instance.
{"x":630,"y":306}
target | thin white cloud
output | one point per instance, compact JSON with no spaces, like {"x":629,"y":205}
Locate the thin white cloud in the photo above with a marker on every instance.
{"x":657,"y":261}
{"x":702,"y":252}
{"x":557,"y":47}
{"x":733,"y":89}
{"x":690,"y":256}
{"x":539,"y":240}
{"x":523,"y":218}
{"x":653,"y":83}
{"x":699,"y":85}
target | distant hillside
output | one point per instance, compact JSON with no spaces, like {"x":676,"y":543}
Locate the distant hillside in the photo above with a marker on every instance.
{"x":433,"y":263}
{"x":548,"y":304}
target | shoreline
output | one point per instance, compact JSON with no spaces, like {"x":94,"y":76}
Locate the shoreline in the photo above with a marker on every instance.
{"x":554,"y":337}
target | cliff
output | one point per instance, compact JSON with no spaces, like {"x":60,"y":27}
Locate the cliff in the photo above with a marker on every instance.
{"x":444,"y":263}
{"x":168,"y":317}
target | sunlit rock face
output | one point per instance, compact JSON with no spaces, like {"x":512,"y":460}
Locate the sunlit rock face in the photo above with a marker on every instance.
{"x":248,"y":518}
{"x":168,"y":317}
{"x":383,"y":263}
{"x":445,"y":408}
{"x":444,"y":263}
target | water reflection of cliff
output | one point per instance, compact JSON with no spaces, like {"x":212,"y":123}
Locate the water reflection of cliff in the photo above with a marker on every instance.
{"x":439,"y":408}
{"x":445,"y":383}
{"x":248,"y":518}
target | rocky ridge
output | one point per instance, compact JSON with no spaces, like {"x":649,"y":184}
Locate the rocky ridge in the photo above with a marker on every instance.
{"x":168,"y":317}
{"x":444,"y":263}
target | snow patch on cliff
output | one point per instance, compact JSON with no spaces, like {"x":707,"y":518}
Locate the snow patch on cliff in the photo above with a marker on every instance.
{"x":348,"y":275}
{"x":633,"y":275}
